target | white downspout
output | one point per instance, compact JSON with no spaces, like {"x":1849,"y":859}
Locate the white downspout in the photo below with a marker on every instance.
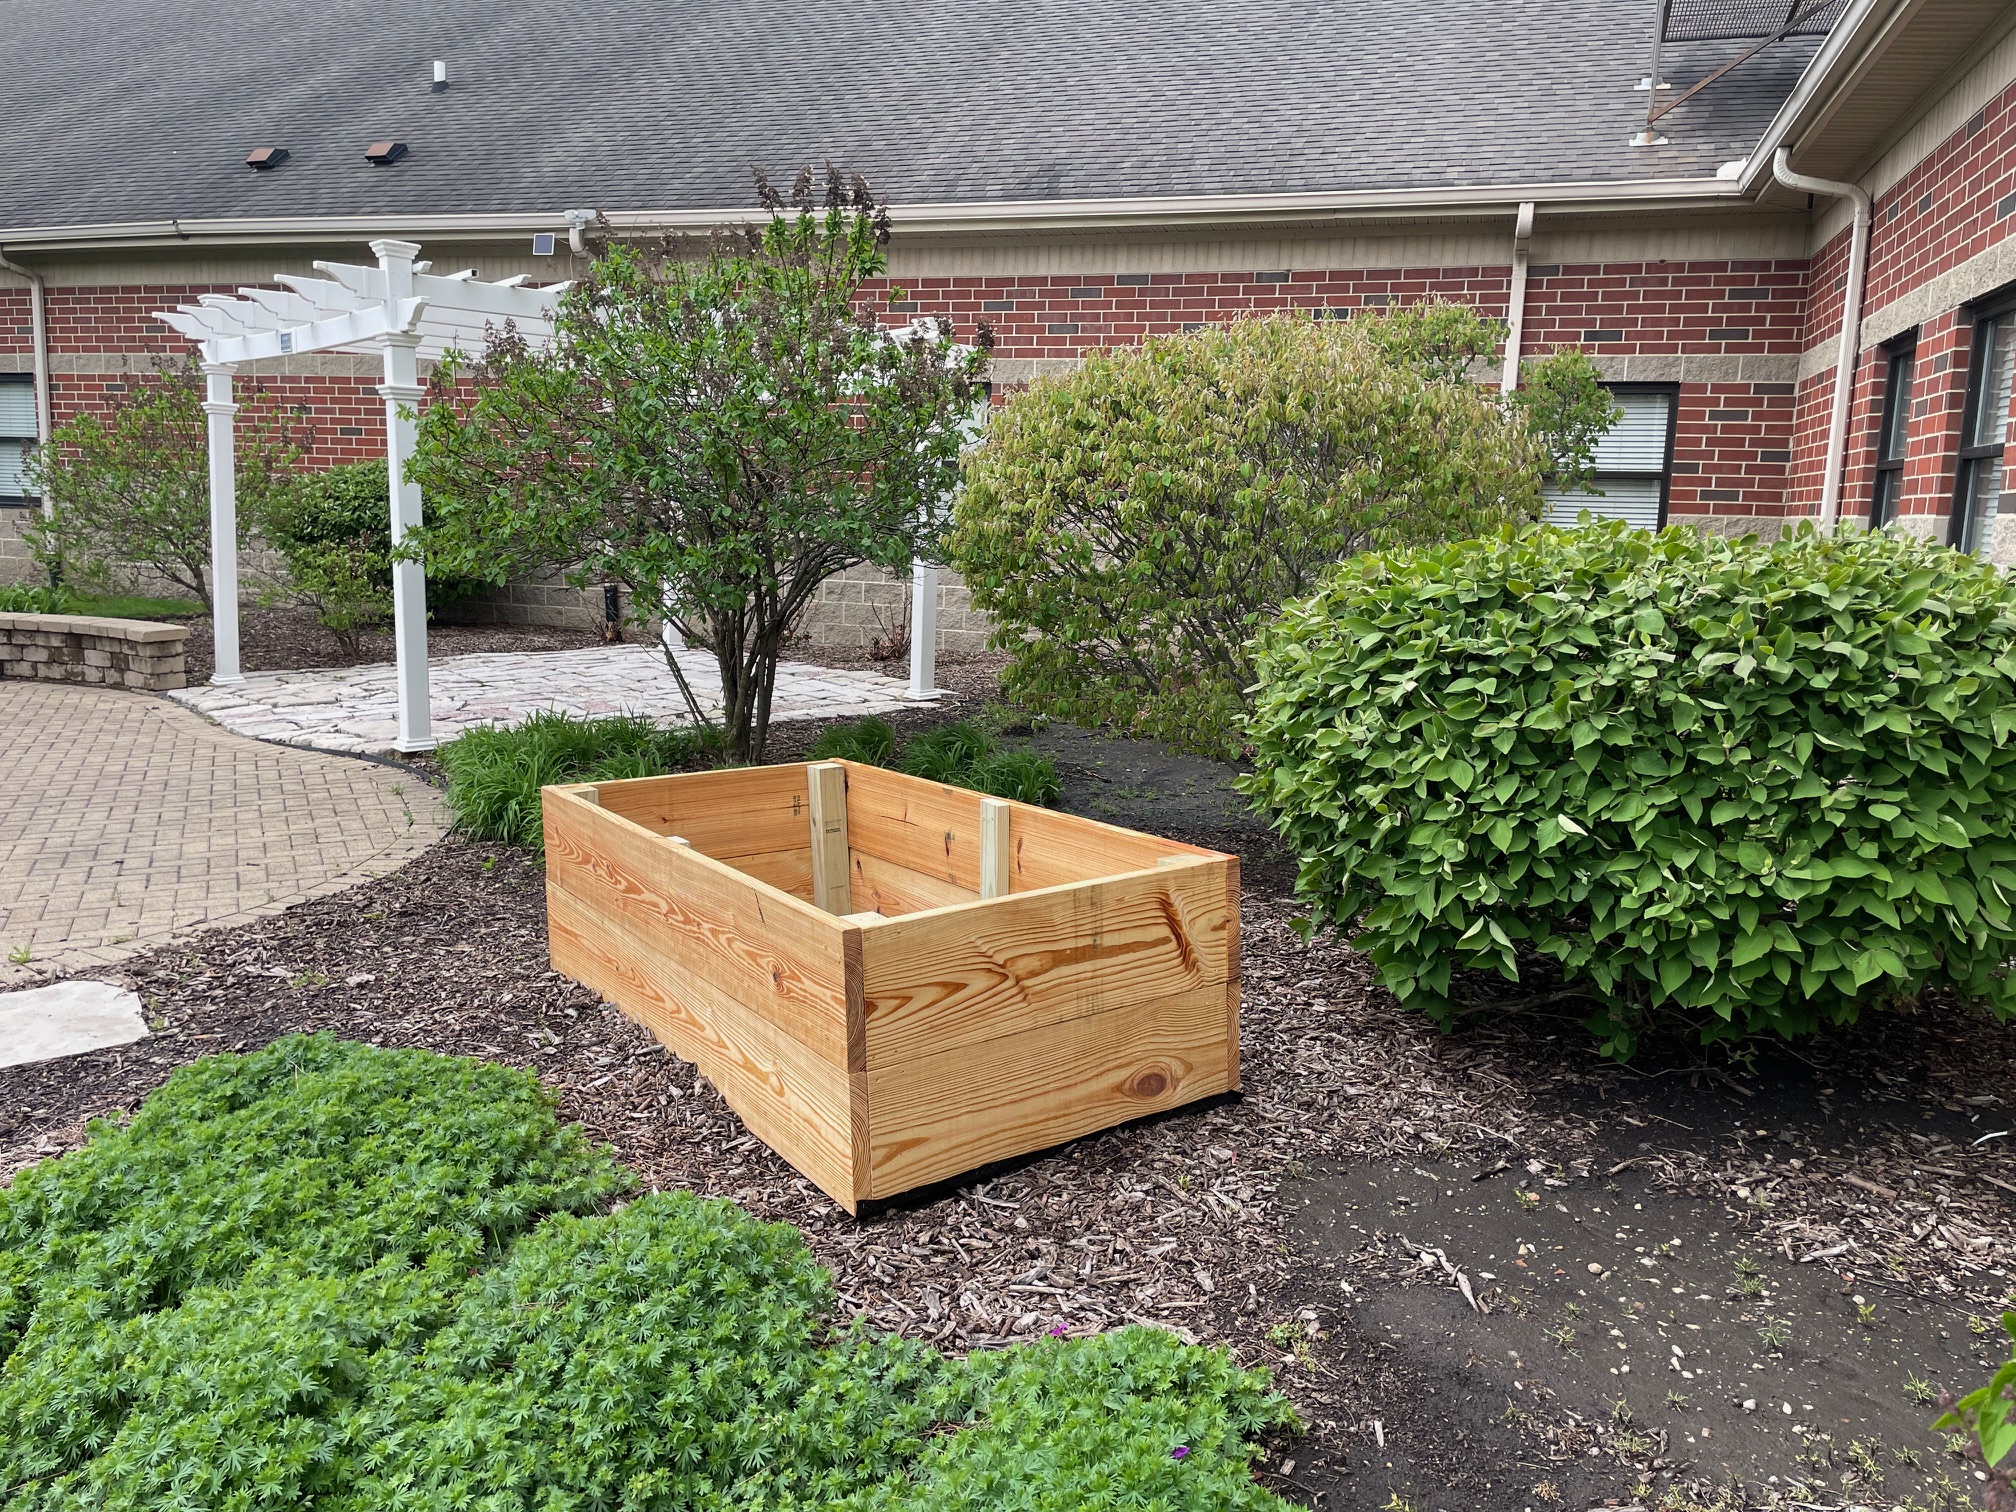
{"x":1515,"y":309}
{"x":38,"y":317}
{"x":1851,"y":325}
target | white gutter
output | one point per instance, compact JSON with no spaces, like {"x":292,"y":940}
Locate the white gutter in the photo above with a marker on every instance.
{"x":934,"y":218}
{"x":1515,"y":307}
{"x":1851,"y":325}
{"x":1845,"y":44}
{"x":38,"y":317}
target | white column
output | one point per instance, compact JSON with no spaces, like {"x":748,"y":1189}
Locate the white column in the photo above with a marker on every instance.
{"x":923,"y":630}
{"x":218,"y":405}
{"x":402,"y":392}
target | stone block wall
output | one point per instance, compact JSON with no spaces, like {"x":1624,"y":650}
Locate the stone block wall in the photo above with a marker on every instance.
{"x":865,"y":604}
{"x":17,"y":565}
{"x":83,"y":649}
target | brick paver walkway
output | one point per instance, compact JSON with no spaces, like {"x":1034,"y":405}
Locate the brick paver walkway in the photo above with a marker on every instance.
{"x":357,"y":708}
{"x":128,"y":821}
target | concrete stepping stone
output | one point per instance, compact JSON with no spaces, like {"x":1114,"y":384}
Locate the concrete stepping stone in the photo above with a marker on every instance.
{"x":69,"y":1018}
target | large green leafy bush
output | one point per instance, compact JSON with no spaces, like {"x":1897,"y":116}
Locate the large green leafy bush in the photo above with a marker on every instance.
{"x":1735,"y":786}
{"x":317,"y":1277}
{"x":1129,"y":526}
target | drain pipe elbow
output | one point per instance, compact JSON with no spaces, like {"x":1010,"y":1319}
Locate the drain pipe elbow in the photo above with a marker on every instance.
{"x":1851,"y":324}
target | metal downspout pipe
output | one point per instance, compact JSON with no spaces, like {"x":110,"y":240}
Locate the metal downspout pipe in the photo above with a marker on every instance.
{"x":1851,"y":325}
{"x":39,"y":321}
{"x":1515,"y":309}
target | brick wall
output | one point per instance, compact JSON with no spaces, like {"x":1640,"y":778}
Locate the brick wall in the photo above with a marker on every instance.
{"x":1954,"y":205}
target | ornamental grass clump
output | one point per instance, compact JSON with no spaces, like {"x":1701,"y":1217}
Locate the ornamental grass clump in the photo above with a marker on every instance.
{"x":1726,"y":787}
{"x":495,"y":774}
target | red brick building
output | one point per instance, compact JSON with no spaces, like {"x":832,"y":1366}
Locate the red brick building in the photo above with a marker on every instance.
{"x":1087,"y":175}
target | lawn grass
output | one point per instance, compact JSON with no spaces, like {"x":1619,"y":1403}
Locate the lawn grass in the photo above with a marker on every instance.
{"x":136,"y":607}
{"x":329,"y":1276}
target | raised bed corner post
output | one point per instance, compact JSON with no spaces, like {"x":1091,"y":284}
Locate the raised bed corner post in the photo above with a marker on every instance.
{"x":222,"y":411}
{"x":832,"y":888}
{"x":402,"y":393}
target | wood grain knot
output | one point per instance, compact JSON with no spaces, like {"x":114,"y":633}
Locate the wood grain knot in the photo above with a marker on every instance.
{"x":1150,"y":1082}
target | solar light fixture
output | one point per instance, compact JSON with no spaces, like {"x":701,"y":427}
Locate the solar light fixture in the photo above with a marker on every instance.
{"x":382,"y":153}
{"x":440,"y":75}
{"x":262,"y":159}
{"x":542,"y":243}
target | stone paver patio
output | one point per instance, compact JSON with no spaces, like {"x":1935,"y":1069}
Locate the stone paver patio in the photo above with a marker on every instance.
{"x":355,"y":709}
{"x":129,"y":821}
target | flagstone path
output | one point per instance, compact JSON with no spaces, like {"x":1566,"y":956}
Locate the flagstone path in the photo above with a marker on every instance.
{"x":355,"y":709}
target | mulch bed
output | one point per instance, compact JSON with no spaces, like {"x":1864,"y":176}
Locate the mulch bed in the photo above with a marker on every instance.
{"x":284,"y":640}
{"x":1184,"y":1221}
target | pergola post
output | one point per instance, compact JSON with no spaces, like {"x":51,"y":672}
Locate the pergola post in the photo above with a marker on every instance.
{"x":222,"y":411}
{"x":402,"y":392}
{"x":923,"y":629}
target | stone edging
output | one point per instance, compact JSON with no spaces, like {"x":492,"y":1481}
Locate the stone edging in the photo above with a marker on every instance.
{"x":84,"y":648}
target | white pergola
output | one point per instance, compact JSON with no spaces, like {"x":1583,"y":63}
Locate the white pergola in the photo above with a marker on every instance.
{"x":406,"y":313}
{"x":398,"y":309}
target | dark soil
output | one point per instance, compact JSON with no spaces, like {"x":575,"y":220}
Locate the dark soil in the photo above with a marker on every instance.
{"x":1292,"y":1225}
{"x":283,"y":639}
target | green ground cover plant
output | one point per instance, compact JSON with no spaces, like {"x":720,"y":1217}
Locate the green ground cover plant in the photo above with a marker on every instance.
{"x":333,"y":1277}
{"x":494,"y":774}
{"x":138,"y":607}
{"x":962,"y":754}
{"x":1729,"y":787}
{"x":1130,"y":525}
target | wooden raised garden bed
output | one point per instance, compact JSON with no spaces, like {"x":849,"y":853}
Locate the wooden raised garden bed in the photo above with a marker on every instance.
{"x":891,"y":980}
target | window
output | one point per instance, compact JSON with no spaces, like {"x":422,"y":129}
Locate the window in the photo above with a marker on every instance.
{"x":1984,"y":428}
{"x":1892,"y":436}
{"x":17,"y":436}
{"x":1632,"y":462}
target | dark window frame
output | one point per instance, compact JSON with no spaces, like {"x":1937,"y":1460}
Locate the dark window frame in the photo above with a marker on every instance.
{"x":32,"y":439}
{"x":1886,"y":492}
{"x":1665,"y":474}
{"x":1983,"y":313}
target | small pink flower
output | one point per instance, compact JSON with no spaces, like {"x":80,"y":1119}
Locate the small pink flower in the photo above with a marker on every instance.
{"x":1181,"y":1451}
{"x":1057,"y":1330}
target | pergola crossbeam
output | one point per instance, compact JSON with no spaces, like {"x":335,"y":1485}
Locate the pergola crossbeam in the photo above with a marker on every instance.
{"x":398,"y":310}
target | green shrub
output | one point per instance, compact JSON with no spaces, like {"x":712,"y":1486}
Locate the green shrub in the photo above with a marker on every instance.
{"x":129,"y":487}
{"x":25,"y":598}
{"x":871,"y":741}
{"x":1728,"y":786}
{"x":1025,"y":776}
{"x":332,"y":530}
{"x":1129,"y":526}
{"x":494,"y":775}
{"x":311,"y":1278}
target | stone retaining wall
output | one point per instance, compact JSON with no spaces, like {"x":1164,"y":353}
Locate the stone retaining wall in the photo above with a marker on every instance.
{"x":82,"y":648}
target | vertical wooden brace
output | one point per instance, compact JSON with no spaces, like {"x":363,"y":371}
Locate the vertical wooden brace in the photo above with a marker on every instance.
{"x":831,"y":885}
{"x":994,"y":852}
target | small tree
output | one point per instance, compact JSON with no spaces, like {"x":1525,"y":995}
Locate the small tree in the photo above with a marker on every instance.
{"x":719,"y":428}
{"x":131,"y":488}
{"x":1146,"y":514}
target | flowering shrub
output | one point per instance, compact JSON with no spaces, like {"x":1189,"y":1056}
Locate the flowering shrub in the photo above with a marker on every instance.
{"x":1731,"y":786}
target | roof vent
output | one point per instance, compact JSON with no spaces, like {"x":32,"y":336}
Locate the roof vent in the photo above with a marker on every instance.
{"x":382,"y":153}
{"x":259,"y":159}
{"x":440,"y":76}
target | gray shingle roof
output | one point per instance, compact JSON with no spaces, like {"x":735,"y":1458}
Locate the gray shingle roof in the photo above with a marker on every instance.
{"x":130,"y":110}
